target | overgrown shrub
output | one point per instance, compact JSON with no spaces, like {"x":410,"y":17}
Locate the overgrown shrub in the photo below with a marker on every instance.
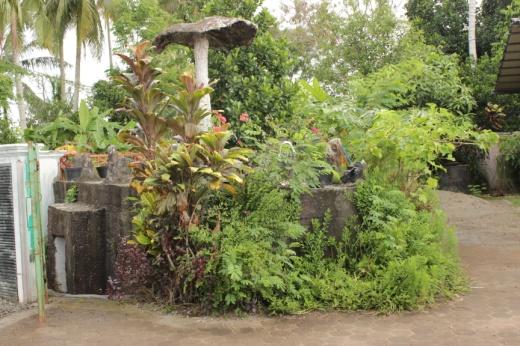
{"x":396,"y":258}
{"x":405,"y":146}
{"x":425,"y":76}
{"x":8,"y":134}
{"x":510,"y":150}
{"x":224,"y":240}
{"x":133,"y":272}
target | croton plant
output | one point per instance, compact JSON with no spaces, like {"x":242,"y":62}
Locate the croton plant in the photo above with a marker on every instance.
{"x":182,"y":167}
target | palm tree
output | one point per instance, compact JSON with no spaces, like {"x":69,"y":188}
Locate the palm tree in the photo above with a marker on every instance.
{"x":84,"y":15}
{"x":108,"y":8}
{"x":14,"y":9}
{"x":51,"y":34}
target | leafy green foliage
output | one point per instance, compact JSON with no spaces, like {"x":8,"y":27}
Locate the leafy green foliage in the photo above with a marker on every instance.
{"x":397,"y":258}
{"x":255,"y":79}
{"x":510,"y":150}
{"x":174,"y":180}
{"x":135,"y":21}
{"x":425,"y":76}
{"x":91,"y":133}
{"x":71,"y":196}
{"x":108,"y":97}
{"x":444,"y":23}
{"x":404,"y":146}
{"x":6,"y":85}
{"x":333,"y":42}
{"x":296,"y":164}
{"x":8,"y":133}
{"x":490,"y":22}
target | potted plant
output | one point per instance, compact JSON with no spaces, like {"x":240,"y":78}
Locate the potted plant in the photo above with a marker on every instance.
{"x":69,"y":171}
{"x":100,"y":162}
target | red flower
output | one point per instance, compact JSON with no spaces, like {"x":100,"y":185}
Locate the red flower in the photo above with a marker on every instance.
{"x":220,"y":118}
{"x":315,"y":130}
{"x":217,"y":129}
{"x":244,"y":117}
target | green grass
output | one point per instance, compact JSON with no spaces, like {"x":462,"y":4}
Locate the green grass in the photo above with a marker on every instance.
{"x":514,"y":199}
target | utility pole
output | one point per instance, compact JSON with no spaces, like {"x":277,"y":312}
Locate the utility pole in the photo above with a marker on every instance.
{"x":472,"y":40}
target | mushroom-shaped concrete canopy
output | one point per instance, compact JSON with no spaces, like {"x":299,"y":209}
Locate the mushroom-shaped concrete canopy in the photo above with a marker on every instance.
{"x":211,"y":32}
{"x":221,"y":32}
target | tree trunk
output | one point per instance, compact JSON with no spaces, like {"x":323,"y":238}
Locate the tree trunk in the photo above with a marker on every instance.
{"x":201,"y":48}
{"x":109,"y":41}
{"x":17,"y":78}
{"x":77,"y":69}
{"x":471,"y":32}
{"x":62,"y":73}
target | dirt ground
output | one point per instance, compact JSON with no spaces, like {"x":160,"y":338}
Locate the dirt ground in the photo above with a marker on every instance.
{"x":489,"y":233}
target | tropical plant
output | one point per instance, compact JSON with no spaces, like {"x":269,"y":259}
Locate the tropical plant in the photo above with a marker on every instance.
{"x":510,"y":151}
{"x":71,"y":196}
{"x":91,"y":133}
{"x":424,"y":75}
{"x":8,"y":133}
{"x":84,"y":16}
{"x":173,"y":190}
{"x":108,"y":8}
{"x":12,"y":11}
{"x":405,"y":146}
{"x":146,"y":103}
{"x":6,"y":86}
{"x":108,"y":96}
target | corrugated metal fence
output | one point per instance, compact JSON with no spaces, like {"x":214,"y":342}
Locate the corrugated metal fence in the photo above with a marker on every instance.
{"x":8,"y":285}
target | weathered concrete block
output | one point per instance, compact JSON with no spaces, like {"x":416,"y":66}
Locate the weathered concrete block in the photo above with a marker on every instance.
{"x":60,"y":190}
{"x":118,"y":171}
{"x":457,"y":178}
{"x":500,"y":180}
{"x":114,"y":199}
{"x":118,"y":195}
{"x":83,"y":228}
{"x":93,"y":193}
{"x":88,"y":172}
{"x":333,"y":198}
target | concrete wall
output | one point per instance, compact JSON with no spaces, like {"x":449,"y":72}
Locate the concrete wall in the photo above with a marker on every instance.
{"x":335,"y":199}
{"x":98,"y":200}
{"x":113,"y":198}
{"x":15,"y":155}
{"x":457,"y":178}
{"x":499,"y":180}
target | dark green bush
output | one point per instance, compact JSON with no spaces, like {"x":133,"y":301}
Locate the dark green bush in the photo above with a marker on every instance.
{"x":396,"y":257}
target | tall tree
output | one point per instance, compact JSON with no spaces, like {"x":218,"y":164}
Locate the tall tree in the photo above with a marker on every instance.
{"x":335,"y":42}
{"x":444,"y":23}
{"x":108,"y":8}
{"x":15,"y":10}
{"x":84,"y":16}
{"x":490,"y":21}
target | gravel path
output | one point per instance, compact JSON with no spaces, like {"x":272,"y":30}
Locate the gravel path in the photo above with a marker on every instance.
{"x":489,"y":233}
{"x":7,"y":307}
